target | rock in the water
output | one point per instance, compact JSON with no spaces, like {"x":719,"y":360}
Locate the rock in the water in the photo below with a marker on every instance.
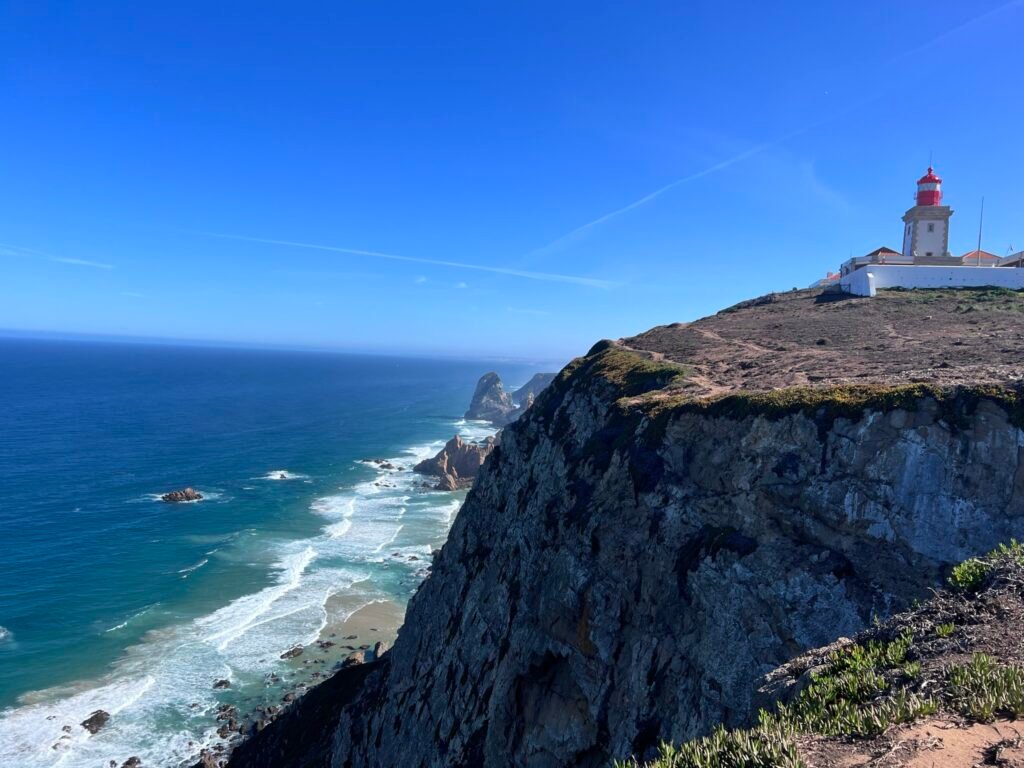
{"x":380,"y":648}
{"x":219,"y":684}
{"x":358,"y":657}
{"x":490,"y":401}
{"x":185,"y":494}
{"x":95,"y":721}
{"x":132,"y":762}
{"x":457,"y":463}
{"x":291,"y":653}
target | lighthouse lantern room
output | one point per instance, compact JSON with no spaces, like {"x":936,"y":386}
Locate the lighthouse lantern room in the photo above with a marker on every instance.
{"x":926,"y":225}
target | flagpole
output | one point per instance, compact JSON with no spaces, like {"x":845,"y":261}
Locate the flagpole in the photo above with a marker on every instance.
{"x":981,"y":221}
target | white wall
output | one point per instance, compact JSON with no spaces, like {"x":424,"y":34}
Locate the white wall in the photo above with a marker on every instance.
{"x":886,"y":276}
{"x":931,"y":241}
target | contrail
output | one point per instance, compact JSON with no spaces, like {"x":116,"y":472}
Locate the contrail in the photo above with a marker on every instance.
{"x":550,"y":277}
{"x":14,"y":250}
{"x":755,"y":150}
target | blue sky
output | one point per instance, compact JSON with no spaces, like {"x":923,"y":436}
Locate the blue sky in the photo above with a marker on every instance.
{"x":548,"y":174}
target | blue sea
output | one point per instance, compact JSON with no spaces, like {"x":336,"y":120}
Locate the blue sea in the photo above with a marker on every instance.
{"x":113,"y":600}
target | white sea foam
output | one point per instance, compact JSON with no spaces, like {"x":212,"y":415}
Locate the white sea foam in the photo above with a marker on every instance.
{"x":151,"y":689}
{"x":158,"y":680}
{"x":186,"y":572}
{"x":282,"y":474}
{"x":6,"y":635}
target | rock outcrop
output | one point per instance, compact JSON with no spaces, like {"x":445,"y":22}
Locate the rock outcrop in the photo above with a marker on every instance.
{"x":94,"y":722}
{"x":533,"y":387}
{"x":458,"y":463}
{"x":186,"y":494}
{"x":492,"y":403}
{"x":659,"y":531}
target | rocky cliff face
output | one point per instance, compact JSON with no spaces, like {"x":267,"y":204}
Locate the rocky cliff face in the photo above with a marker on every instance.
{"x":457,"y":464}
{"x":658,"y":532}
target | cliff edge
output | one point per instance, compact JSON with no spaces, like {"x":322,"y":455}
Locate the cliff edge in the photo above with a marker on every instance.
{"x":683,"y":511}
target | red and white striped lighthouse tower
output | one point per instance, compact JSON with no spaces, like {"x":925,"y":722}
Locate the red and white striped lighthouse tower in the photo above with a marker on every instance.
{"x":929,"y":189}
{"x":926,"y":231}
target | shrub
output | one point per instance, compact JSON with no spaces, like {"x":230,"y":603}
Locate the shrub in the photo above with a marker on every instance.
{"x":981,"y":690}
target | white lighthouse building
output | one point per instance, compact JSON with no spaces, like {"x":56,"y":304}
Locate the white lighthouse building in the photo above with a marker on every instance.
{"x":926,"y":225}
{"x":925,"y":261}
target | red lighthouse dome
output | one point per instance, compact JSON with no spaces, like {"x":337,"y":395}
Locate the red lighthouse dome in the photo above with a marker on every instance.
{"x":929,"y":189}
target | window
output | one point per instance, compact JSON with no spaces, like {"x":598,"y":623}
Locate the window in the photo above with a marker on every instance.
{"x":928,"y":253}
{"x":931,"y":227}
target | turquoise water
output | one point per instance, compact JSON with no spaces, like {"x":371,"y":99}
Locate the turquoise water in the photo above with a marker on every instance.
{"x":111,"y":599}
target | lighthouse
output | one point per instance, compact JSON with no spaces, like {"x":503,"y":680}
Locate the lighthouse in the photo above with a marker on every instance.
{"x":926,"y":225}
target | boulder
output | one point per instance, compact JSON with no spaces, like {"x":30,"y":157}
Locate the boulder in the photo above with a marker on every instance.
{"x":354,"y":659}
{"x":457,"y":463}
{"x":185,"y":494}
{"x":95,"y":721}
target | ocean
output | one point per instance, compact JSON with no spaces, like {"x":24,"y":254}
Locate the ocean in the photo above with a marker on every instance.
{"x":113,"y":600}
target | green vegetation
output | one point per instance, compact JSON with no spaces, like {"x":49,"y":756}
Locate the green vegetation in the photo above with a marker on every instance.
{"x":631,"y":372}
{"x":866,"y":688}
{"x":981,"y":690}
{"x":971,"y":575}
{"x":847,"y":698}
{"x":826,"y":404}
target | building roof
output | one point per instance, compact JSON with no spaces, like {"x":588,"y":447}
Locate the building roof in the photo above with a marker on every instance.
{"x":985,"y":256}
{"x":882,"y":252}
{"x":929,"y":178}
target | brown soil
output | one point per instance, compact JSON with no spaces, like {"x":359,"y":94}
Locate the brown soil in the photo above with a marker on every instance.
{"x":811,"y":337}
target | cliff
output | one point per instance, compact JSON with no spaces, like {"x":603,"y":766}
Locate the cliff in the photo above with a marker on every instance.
{"x":942,"y":684}
{"x":683,"y":511}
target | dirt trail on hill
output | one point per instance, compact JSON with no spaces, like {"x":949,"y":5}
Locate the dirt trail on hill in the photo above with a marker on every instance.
{"x":813,"y":338}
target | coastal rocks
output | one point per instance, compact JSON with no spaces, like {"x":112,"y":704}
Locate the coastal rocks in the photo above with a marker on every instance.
{"x":94,"y":722}
{"x":132,"y":762}
{"x":457,"y":463}
{"x":532,"y":388}
{"x":186,"y":494}
{"x":380,"y":648}
{"x":357,"y":657}
{"x":384,"y":464}
{"x":492,"y":403}
{"x":291,"y":653}
{"x":221,"y":684}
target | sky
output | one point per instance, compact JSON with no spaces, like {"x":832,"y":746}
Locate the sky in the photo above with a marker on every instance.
{"x":480,"y":179}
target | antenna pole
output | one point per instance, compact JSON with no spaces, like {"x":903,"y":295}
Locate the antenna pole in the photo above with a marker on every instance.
{"x":981,"y":221}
